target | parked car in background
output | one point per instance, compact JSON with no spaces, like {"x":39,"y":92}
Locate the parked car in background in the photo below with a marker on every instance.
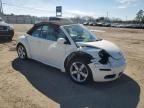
{"x":99,"y":23}
{"x":74,"y":49}
{"x":85,"y":23}
{"x":138,"y":26}
{"x":94,"y":23}
{"x":142,"y":26}
{"x":90,"y":23}
{"x":6,"y":30}
{"x":114,"y":25}
{"x":106,"y":24}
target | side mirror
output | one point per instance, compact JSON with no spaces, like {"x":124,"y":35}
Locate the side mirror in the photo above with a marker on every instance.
{"x":61,"y":41}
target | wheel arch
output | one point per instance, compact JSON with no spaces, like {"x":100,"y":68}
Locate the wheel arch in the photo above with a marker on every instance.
{"x":77,"y":55}
{"x":24,"y":42}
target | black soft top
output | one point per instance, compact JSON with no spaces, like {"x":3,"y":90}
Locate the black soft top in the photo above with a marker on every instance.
{"x":56,"y":24}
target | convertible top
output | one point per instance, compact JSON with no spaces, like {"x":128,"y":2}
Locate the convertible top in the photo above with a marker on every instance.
{"x":56,"y":21}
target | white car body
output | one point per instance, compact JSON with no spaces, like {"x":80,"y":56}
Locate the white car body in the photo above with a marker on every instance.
{"x":54,"y":53}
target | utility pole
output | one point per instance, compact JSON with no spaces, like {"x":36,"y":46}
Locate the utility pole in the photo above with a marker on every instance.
{"x":126,"y":18}
{"x":107,"y":14}
{"x":1,"y":8}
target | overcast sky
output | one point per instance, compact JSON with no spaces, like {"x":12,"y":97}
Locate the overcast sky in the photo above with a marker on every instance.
{"x":95,"y":8}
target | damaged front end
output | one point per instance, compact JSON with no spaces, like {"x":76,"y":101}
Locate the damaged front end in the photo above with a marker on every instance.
{"x":105,"y":66}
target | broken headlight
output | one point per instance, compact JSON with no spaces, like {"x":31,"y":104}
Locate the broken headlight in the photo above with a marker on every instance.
{"x":104,"y":57}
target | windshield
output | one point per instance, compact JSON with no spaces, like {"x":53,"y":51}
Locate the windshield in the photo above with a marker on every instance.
{"x":79,"y":33}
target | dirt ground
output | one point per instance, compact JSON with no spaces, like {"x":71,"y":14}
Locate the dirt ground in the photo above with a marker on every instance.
{"x":30,"y":84}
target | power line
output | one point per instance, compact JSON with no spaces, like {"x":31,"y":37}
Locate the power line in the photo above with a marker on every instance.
{"x":1,"y":8}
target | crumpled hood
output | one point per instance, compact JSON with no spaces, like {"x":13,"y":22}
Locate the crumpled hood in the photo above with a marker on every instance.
{"x":111,"y":48}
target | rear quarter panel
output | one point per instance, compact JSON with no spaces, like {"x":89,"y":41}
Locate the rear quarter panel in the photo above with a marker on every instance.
{"x":24,"y":41}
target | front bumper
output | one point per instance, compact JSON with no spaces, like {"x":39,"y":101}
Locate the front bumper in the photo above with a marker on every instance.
{"x":109,"y":72}
{"x":6,"y":34}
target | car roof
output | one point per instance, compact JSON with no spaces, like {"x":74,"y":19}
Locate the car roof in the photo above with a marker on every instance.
{"x":53,"y":23}
{"x":57,"y":23}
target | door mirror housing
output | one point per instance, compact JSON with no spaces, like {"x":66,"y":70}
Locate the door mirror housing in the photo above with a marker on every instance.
{"x":61,"y":41}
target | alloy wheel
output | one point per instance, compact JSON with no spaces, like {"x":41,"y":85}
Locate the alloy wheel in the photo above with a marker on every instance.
{"x":79,"y":72}
{"x":21,"y":52}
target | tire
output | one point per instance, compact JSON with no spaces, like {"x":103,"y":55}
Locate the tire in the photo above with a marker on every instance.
{"x":10,"y":38}
{"x":79,"y":71}
{"x":21,"y":51}
{"x":11,"y":35}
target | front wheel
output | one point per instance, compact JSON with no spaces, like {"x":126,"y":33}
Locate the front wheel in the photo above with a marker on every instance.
{"x":79,"y":71}
{"x":21,"y":52}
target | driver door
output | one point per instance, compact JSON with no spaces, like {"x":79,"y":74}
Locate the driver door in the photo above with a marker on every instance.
{"x":54,"y":53}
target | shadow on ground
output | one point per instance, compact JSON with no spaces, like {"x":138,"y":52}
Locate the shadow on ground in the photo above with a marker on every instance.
{"x":122,"y":93}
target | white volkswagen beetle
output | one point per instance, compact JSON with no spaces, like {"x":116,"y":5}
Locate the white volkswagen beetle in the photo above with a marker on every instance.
{"x":74,"y":49}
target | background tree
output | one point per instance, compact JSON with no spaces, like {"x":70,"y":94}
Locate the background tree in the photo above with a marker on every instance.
{"x":140,"y":16}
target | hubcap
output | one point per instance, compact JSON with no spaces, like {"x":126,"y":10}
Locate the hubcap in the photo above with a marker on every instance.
{"x":79,"y":71}
{"x":21,"y":52}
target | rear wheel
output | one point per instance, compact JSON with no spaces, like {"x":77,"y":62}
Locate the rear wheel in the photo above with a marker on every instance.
{"x":21,"y":52}
{"x":79,"y":71}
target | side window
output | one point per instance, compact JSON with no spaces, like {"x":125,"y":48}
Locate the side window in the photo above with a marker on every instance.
{"x":44,"y":32}
{"x":51,"y":34}
{"x":60,"y":34}
{"x":36,"y":32}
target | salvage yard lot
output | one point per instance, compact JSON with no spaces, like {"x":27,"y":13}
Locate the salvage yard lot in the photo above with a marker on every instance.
{"x":30,"y":84}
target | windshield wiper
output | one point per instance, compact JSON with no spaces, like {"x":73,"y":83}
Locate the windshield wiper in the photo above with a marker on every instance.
{"x":99,"y":39}
{"x":95,"y":40}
